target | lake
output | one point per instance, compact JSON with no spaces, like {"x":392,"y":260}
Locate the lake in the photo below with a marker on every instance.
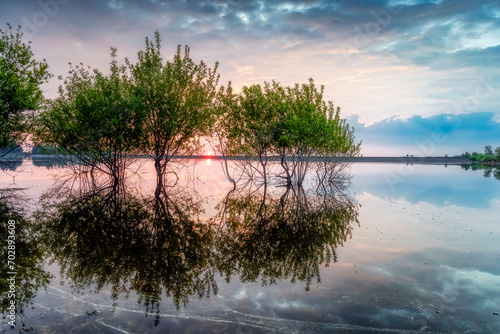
{"x":378,"y":248}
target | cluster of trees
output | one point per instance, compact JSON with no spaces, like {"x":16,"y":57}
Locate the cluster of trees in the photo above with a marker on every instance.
{"x":164,"y":108}
{"x":488,"y":155}
{"x":292,"y":123}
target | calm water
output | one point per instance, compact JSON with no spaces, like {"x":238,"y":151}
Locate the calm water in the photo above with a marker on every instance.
{"x":398,"y":249}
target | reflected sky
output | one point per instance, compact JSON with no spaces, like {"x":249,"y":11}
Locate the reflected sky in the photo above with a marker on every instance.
{"x":438,"y":185}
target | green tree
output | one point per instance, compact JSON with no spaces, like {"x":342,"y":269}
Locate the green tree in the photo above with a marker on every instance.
{"x":488,"y":150}
{"x":94,"y":118}
{"x":20,"y":79}
{"x":497,"y":153}
{"x":176,"y":99}
{"x":309,"y":127}
{"x":251,"y":121}
{"x":474,"y":156}
{"x":224,"y":133}
{"x":294,"y":123}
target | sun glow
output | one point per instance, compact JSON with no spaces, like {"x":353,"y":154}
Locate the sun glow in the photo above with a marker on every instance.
{"x":209,"y":160}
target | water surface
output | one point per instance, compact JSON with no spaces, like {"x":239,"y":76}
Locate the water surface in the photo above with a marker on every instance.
{"x":397,"y":249}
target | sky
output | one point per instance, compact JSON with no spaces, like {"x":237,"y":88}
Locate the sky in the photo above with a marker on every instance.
{"x":418,"y":77}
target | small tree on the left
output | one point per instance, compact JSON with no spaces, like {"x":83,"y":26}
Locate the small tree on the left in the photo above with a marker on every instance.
{"x":94,"y":119}
{"x":20,"y":94}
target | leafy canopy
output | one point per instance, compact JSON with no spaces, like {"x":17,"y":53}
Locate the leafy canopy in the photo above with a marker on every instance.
{"x":95,"y":116}
{"x":175,"y":97}
{"x":20,"y":79}
{"x":293,"y":123}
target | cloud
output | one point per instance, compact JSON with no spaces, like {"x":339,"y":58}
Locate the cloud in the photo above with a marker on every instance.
{"x":465,"y":130}
{"x":375,"y":57}
{"x":417,"y":30}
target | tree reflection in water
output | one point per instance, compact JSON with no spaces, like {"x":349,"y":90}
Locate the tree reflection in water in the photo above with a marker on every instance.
{"x":102,"y":233}
{"x":488,"y":170}
{"x":28,"y":261}
{"x":284,"y":232}
{"x":109,"y":236}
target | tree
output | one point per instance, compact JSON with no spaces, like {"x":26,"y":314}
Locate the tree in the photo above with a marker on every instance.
{"x":291,"y":122}
{"x":176,"y":99}
{"x":20,"y":79}
{"x":488,"y":150}
{"x":251,"y":120}
{"x":94,"y":118}
{"x":306,"y":126}
{"x":497,"y":152}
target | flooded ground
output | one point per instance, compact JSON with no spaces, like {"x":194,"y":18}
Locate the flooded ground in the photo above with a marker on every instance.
{"x":396,"y":249}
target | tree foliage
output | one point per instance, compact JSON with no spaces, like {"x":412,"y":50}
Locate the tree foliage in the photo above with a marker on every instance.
{"x":176,"y":98}
{"x":310,"y":128}
{"x":95,"y":116}
{"x":163,"y":108}
{"x":488,"y":150}
{"x":294,"y":123}
{"x":20,"y":79}
{"x":488,"y":155}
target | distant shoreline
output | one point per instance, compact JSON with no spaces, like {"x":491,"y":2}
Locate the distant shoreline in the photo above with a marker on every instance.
{"x":400,"y":160}
{"x":417,"y":160}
